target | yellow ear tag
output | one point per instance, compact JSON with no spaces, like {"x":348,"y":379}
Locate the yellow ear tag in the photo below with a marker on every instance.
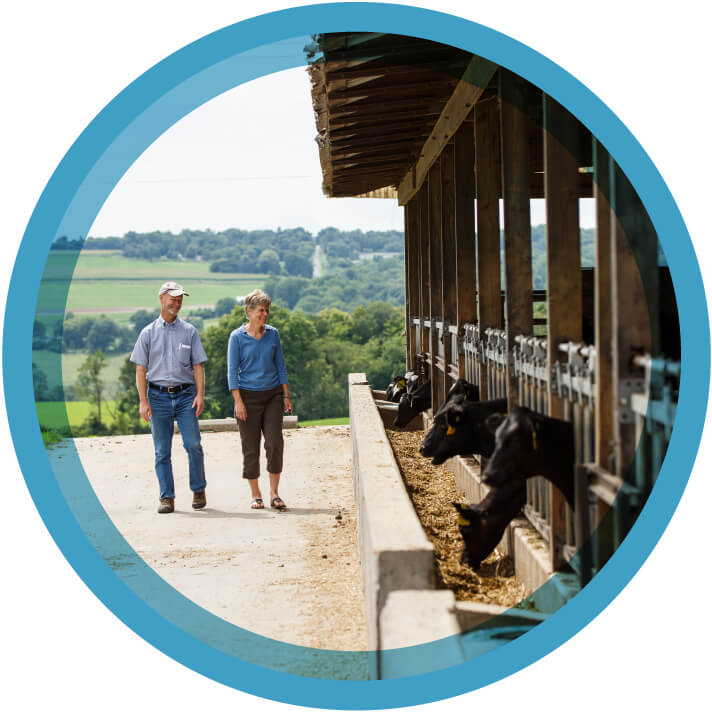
{"x":462,"y":521}
{"x":450,"y":430}
{"x":534,"y":439}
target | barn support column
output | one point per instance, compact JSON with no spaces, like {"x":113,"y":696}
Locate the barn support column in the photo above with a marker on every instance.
{"x":410,"y":244}
{"x":603,"y":339}
{"x":488,"y":180}
{"x":424,"y":265}
{"x":634,"y":293}
{"x":514,"y":131}
{"x":464,"y":219}
{"x":603,"y":310}
{"x":436,"y":278}
{"x":563,"y":271}
{"x":449,"y":257}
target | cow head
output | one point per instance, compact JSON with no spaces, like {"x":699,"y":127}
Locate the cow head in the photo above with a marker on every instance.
{"x":515,"y":450}
{"x":412,"y":403}
{"x":458,"y":429}
{"x":476,"y":535}
{"x":463,"y":388}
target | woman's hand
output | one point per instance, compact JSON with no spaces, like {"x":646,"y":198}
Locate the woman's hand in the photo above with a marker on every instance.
{"x":240,"y":411}
{"x":288,"y":405}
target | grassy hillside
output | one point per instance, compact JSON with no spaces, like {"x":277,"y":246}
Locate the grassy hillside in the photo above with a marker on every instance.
{"x":51,"y":414}
{"x":107,"y":280}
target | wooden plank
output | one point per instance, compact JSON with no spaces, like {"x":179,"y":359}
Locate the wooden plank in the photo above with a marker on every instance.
{"x":603,"y":311}
{"x":436,"y":275}
{"x":563,"y":269}
{"x":448,"y":225}
{"x":424,"y":252}
{"x":634,"y":324}
{"x":410,"y":227}
{"x":474,"y":81}
{"x":514,"y":129}
{"x":488,"y":180}
{"x":563,"y":242}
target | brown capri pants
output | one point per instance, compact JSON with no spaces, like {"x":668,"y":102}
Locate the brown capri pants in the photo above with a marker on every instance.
{"x":265,"y":410}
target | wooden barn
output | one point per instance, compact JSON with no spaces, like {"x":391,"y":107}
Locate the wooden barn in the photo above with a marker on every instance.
{"x":464,"y":145}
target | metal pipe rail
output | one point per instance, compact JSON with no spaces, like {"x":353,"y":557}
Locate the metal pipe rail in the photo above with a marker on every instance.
{"x":496,"y":356}
{"x":654,"y":410}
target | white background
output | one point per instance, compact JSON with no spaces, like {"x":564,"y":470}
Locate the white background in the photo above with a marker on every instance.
{"x":62,"y":62}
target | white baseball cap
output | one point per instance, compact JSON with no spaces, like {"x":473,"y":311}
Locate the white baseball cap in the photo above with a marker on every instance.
{"x":172,"y":288}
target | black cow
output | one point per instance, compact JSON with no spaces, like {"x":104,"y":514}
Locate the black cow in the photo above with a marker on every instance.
{"x":412,"y":403}
{"x":483,"y":524}
{"x":396,"y":389}
{"x":529,"y":444}
{"x":460,"y":428}
{"x":464,"y":388}
{"x":399,"y":385}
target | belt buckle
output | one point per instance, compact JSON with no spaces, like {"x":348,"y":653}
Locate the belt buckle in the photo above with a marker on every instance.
{"x":174,"y":389}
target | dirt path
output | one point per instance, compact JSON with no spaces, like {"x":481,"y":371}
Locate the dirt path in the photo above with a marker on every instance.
{"x":283,"y":575}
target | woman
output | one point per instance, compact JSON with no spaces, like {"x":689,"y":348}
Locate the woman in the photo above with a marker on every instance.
{"x":257,"y":377}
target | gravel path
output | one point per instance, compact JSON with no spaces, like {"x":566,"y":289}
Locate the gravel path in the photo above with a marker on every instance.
{"x":283,"y":575}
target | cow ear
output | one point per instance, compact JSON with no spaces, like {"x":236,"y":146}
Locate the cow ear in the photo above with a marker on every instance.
{"x":494,"y":421}
{"x":454,"y":414}
{"x":459,"y":507}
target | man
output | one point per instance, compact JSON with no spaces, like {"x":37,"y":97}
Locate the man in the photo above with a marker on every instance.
{"x":170,"y":381}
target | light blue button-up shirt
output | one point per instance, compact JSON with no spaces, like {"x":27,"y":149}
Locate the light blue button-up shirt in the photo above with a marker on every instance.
{"x":169,"y":351}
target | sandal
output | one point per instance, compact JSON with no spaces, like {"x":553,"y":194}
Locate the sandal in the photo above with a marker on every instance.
{"x":257,"y":503}
{"x":277,"y":503}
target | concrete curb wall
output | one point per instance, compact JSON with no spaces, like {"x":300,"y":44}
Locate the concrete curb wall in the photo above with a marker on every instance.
{"x":395,"y":553}
{"x":473,"y":615}
{"x":411,"y":618}
{"x":219,"y":425}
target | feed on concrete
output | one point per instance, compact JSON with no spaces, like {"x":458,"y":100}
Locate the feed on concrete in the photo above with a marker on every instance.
{"x":432,"y":490}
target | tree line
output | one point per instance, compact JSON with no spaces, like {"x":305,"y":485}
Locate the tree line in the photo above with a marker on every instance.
{"x":281,"y":251}
{"x":320,"y":351}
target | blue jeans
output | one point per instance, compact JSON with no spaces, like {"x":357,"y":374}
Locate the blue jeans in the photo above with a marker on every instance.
{"x":165,"y":407}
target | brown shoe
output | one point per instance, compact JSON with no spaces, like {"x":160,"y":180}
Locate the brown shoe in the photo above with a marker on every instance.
{"x":166,"y":505}
{"x":199,"y":500}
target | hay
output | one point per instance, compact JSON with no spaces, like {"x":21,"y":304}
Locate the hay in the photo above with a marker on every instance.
{"x":432,"y":490}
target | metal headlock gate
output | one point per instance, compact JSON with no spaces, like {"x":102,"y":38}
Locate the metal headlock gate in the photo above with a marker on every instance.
{"x":465,"y":172}
{"x":651,"y":404}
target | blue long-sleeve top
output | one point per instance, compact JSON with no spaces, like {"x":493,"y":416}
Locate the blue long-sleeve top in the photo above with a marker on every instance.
{"x":255,"y":364}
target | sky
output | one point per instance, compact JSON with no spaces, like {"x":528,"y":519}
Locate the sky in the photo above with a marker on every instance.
{"x":246,"y":159}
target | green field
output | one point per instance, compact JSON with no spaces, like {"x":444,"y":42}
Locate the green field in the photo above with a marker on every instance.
{"x":107,"y":280}
{"x":327,"y":421}
{"x":52,"y":414}
{"x":45,"y":360}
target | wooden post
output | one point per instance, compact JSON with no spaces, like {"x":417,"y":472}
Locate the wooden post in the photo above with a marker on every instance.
{"x":449,"y":252}
{"x":563,"y":269}
{"x":411,"y":279}
{"x":634,"y":293}
{"x":465,"y":230}
{"x":514,"y":131}
{"x":424,"y":266}
{"x":436,"y":277}
{"x":602,"y":310}
{"x":488,"y":181}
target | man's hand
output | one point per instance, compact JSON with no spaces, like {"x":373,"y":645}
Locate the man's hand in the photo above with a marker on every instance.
{"x":145,"y":411}
{"x":198,"y":405}
{"x":240,"y":411}
{"x":288,"y":405}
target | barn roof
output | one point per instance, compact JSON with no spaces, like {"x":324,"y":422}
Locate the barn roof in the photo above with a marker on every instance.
{"x":385,"y":105}
{"x":376,"y":99}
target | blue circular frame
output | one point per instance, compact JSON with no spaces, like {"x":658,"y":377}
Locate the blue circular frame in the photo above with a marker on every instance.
{"x":71,"y":201}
